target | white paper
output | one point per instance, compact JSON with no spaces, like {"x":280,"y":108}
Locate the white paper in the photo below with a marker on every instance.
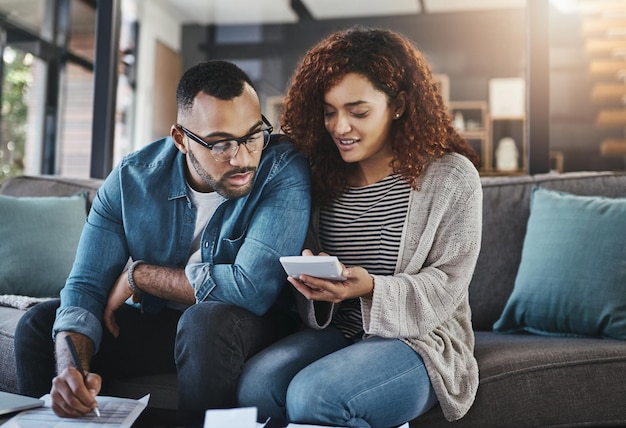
{"x":114,"y":412}
{"x":406,"y":425}
{"x":243,"y":417}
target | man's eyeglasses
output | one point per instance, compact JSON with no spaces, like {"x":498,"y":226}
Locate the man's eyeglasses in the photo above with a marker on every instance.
{"x":226,"y":149}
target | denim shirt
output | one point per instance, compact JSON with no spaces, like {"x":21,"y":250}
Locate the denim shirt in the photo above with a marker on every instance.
{"x":142,"y":211}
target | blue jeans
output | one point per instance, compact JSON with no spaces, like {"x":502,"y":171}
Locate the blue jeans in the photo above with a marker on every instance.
{"x":321,"y":377}
{"x":207,"y":345}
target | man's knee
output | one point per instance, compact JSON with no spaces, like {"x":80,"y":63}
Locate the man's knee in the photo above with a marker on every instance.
{"x":210,"y":318}
{"x":210,"y":324}
{"x":211,"y":312}
{"x":37,"y":321}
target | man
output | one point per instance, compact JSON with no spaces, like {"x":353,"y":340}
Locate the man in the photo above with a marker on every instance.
{"x":203,"y":216}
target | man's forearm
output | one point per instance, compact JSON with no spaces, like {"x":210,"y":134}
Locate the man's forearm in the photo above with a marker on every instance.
{"x":84,"y":348}
{"x":166,"y":283}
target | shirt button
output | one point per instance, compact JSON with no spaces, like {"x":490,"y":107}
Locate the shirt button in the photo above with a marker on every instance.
{"x":188,"y":219}
{"x":206,"y":245}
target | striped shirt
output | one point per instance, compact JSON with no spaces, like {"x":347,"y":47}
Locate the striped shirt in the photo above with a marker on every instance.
{"x":363,"y":227}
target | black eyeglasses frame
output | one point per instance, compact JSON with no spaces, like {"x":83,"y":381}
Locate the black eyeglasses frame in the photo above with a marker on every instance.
{"x":241,"y":140}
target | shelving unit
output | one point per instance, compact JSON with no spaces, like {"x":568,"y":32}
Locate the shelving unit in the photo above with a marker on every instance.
{"x":471,"y":120}
{"x":604,"y":29}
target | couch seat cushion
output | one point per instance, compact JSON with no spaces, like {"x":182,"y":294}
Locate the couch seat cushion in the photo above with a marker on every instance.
{"x":8,"y":321}
{"x":537,"y":381}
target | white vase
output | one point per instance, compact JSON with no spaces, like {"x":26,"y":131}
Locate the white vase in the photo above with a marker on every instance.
{"x":507,"y":155}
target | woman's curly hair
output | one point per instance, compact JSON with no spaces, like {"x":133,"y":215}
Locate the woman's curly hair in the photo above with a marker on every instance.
{"x":392,"y":64}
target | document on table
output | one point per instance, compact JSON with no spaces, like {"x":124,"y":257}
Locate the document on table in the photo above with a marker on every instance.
{"x":114,"y":412}
{"x":245,"y":417}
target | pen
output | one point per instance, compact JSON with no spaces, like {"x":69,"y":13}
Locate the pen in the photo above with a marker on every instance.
{"x":79,"y":366}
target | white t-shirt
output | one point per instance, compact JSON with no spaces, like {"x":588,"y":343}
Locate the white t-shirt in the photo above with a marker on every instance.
{"x":205,"y":204}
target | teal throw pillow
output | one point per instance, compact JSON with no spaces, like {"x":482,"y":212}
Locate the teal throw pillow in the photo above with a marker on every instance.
{"x":572,"y":277}
{"x":38,"y":240}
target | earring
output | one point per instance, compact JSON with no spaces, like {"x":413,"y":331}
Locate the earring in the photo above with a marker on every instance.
{"x":397,"y":116}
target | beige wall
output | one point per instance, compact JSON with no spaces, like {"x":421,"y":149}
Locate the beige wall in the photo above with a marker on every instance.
{"x":167,"y":72}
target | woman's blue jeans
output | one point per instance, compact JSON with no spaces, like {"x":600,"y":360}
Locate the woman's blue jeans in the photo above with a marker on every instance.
{"x":323,"y":378}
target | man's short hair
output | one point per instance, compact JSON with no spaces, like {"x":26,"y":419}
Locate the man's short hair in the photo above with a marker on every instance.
{"x":217,"y":78}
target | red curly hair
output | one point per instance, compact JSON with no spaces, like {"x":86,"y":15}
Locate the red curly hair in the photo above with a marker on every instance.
{"x":392,"y":64}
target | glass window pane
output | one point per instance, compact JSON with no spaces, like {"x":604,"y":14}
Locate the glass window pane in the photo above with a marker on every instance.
{"x":82,"y":29}
{"x":27,"y":13}
{"x":22,"y":112}
{"x":76,"y":114}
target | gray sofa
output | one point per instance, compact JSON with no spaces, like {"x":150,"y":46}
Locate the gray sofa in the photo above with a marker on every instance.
{"x":528,"y":380}
{"x":525,"y":380}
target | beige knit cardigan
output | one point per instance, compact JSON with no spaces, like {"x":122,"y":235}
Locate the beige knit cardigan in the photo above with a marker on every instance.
{"x":425,"y":303}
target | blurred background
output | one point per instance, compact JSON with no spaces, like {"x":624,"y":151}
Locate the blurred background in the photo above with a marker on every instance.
{"x":534,"y":85}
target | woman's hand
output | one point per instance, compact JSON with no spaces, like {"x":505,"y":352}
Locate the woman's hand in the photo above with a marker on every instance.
{"x":358,"y":283}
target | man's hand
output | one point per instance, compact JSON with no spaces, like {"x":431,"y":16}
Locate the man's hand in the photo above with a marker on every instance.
{"x":119,"y":294}
{"x":72,"y":394}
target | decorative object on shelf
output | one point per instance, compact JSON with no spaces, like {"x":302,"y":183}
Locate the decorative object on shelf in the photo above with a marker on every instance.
{"x":507,"y":97}
{"x":471,"y":120}
{"x":507,"y":155}
{"x":459,"y":123}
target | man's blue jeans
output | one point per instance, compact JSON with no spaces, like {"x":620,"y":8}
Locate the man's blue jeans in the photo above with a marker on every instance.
{"x":207,"y":344}
{"x":321,"y":377}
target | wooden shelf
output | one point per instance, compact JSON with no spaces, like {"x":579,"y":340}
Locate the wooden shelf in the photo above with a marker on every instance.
{"x":608,"y":92}
{"x":606,"y":46}
{"x":611,"y":118}
{"x":613,"y":147}
{"x":602,"y":7}
{"x":607,"y":68}
{"x":608,"y":26}
{"x":604,"y":27}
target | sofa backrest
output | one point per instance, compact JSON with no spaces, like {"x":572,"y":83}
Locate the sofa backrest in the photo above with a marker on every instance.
{"x":49,"y":185}
{"x":506,"y":207}
{"x":506,"y":203}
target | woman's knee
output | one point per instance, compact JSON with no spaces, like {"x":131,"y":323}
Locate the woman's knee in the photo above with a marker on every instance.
{"x":307,"y":393}
{"x":255,"y":382}
{"x":256,"y":389}
{"x":266,"y":377}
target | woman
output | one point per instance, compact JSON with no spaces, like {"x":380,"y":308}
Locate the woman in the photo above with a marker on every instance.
{"x":399,"y":201}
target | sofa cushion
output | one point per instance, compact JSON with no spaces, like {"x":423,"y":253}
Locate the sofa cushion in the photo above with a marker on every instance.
{"x":9,"y":318}
{"x":506,"y":207}
{"x":39,"y":237}
{"x":573,"y":270}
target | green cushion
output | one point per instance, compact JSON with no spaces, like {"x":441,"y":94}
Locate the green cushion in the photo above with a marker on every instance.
{"x":38,"y":240}
{"x":572,"y":277}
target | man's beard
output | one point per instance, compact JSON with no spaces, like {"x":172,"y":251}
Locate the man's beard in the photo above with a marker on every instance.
{"x":221,"y":185}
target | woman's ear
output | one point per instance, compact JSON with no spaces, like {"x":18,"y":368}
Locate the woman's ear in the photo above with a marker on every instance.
{"x":399,"y":105}
{"x":179,"y":138}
